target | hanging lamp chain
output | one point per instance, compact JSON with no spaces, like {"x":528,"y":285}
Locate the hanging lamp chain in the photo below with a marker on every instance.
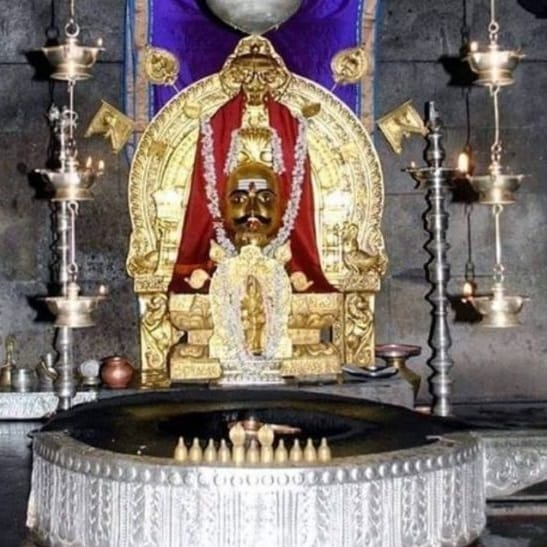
{"x":72,"y":29}
{"x":469,"y":265}
{"x":72,"y":266}
{"x":493,"y":27}
{"x":498,"y":268}
{"x":496,"y":148}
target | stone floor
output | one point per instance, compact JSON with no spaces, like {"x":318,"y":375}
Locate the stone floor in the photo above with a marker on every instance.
{"x":519,"y":521}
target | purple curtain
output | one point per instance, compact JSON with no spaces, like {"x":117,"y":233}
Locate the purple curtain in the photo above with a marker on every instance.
{"x":306,"y":42}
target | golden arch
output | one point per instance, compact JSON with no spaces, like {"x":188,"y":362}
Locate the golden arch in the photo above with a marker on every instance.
{"x":348,"y":195}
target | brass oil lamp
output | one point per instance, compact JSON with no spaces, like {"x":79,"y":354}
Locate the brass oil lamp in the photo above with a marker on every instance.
{"x":72,"y":61}
{"x":72,"y":310}
{"x":493,"y":66}
{"x":499,"y":309}
{"x":437,"y":180}
{"x":70,"y":181}
{"x":71,"y":184}
{"x":496,"y":188}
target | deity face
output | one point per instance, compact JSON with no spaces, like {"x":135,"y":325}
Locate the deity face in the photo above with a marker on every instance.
{"x":252,"y":206}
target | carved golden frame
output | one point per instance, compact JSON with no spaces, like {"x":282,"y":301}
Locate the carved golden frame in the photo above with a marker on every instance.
{"x":348,"y":191}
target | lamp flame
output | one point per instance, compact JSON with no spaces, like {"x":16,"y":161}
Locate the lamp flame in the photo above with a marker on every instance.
{"x":463,"y":162}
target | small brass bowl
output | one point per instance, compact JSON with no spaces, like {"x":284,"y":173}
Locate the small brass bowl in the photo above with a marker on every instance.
{"x":71,"y":61}
{"x":494,"y":67}
{"x":427,"y":176}
{"x":496,"y":188}
{"x":74,"y":311}
{"x":498,"y":309}
{"x":73,"y":184}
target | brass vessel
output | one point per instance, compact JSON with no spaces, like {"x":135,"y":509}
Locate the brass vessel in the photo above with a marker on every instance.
{"x":396,"y":355}
{"x":6,"y":369}
{"x":496,"y":188}
{"x":494,"y":66}
{"x":73,"y":311}
{"x":499,"y":310}
{"x":72,"y":61}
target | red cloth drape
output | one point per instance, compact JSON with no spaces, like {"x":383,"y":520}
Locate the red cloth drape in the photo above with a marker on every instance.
{"x":305,"y":256}
{"x":198,"y":228}
{"x":198,"y":231}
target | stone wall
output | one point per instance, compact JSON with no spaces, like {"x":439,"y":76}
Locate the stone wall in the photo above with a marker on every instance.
{"x":490,"y":364}
{"x":414,"y":37}
{"x":25,"y":221}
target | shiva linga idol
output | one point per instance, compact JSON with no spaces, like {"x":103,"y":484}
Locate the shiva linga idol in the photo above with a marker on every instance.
{"x":256,"y":198}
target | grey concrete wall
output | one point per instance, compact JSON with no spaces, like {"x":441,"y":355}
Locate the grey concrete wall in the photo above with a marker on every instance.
{"x":413,"y":36}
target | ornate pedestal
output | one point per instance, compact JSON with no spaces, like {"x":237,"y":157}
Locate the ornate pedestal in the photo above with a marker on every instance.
{"x":187,"y":178}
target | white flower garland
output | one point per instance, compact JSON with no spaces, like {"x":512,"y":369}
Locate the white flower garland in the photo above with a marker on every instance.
{"x":233,"y":297}
{"x":213,"y":203}
{"x":231,"y":158}
{"x":291,"y":212}
{"x":277,"y":153}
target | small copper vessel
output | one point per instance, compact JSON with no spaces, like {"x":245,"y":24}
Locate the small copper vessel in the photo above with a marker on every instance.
{"x":395,"y":355}
{"x":116,"y":372}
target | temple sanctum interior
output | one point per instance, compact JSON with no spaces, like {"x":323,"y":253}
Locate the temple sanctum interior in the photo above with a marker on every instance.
{"x":269,"y":273}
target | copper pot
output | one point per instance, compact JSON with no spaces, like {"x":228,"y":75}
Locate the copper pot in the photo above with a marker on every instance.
{"x":116,"y":372}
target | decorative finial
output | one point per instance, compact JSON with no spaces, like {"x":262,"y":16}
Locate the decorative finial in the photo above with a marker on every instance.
{"x":434,"y":153}
{"x":195,"y":454}
{"x":237,"y":436}
{"x":266,"y":438}
{"x":295,"y":453}
{"x":253,"y":453}
{"x":224,"y":455}
{"x":181,"y":452}
{"x":210,"y":453}
{"x":281,"y":455}
{"x":324,"y":453}
{"x":310,"y":454}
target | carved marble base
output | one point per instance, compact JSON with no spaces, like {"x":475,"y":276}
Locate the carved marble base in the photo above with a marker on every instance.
{"x":513,"y":460}
{"x":35,"y":405}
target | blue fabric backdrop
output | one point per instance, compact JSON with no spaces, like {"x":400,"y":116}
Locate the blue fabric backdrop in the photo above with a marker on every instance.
{"x":307,"y":41}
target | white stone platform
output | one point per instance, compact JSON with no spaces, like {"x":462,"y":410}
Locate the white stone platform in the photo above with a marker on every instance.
{"x":41,"y":404}
{"x":35,"y":405}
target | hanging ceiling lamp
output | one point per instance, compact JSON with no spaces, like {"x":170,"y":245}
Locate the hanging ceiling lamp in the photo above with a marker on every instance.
{"x":71,"y":61}
{"x":496,"y":188}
